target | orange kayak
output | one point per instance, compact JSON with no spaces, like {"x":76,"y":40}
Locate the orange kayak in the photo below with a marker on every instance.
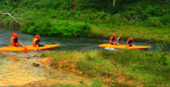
{"x":123,"y":46}
{"x":30,"y":48}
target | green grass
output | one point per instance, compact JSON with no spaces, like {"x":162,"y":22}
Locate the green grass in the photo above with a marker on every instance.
{"x":150,"y":34}
{"x":95,"y":83}
{"x":137,"y":67}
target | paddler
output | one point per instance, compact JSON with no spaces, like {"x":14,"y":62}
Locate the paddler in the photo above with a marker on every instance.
{"x":36,"y":42}
{"x":113,"y":40}
{"x":12,"y":39}
{"x":15,"y":41}
{"x":129,"y":42}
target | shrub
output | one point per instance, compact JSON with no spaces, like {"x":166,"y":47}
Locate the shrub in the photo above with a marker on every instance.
{"x":153,"y":21}
{"x":57,"y":28}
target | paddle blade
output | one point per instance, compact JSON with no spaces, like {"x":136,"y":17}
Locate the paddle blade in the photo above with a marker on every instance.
{"x":119,"y":37}
{"x":26,"y":50}
{"x":121,"y":34}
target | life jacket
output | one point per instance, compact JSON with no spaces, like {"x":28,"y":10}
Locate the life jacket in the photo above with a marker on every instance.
{"x":112,"y":40}
{"x":130,"y":42}
{"x":34,"y":42}
{"x":13,"y":42}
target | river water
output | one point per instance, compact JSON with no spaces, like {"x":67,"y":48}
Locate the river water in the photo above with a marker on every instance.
{"x":65,"y":43}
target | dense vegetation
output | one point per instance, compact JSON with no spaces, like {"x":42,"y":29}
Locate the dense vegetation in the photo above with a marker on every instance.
{"x":100,"y":15}
{"x":119,"y":68}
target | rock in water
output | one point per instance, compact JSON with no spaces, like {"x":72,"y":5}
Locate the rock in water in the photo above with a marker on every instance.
{"x":35,"y":64}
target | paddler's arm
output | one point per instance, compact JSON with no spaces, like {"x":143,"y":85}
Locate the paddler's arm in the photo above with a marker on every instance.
{"x":20,"y":44}
{"x":127,"y":43}
{"x":36,"y":47}
{"x":110,"y":40}
{"x":115,"y":41}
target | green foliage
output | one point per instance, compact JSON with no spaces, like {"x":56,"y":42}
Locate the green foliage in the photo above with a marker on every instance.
{"x":37,"y":4}
{"x":57,"y":28}
{"x":163,"y":59}
{"x":165,"y":41}
{"x":163,"y":46}
{"x":140,"y":13}
{"x":135,"y":12}
{"x":96,"y":83}
{"x":153,"y":21}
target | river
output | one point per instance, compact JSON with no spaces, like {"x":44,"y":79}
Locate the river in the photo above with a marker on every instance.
{"x":65,"y":43}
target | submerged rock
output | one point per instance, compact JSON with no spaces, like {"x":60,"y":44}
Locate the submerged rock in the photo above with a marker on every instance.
{"x":35,"y":64}
{"x":32,"y":83}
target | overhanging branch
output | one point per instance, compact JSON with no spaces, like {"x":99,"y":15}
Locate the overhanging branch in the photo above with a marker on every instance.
{"x":9,"y":14}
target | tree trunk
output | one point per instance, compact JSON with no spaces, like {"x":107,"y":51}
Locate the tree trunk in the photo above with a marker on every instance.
{"x":114,"y":2}
{"x":74,"y":5}
{"x":166,"y":1}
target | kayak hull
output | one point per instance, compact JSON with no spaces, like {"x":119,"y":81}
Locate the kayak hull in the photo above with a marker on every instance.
{"x":123,"y":46}
{"x":28,"y":47}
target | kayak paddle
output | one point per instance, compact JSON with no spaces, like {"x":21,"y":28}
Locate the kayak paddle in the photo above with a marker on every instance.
{"x":118,"y":38}
{"x":26,"y":50}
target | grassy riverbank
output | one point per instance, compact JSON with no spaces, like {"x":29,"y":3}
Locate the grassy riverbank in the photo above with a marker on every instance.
{"x":117,"y":68}
{"x":143,"y":34}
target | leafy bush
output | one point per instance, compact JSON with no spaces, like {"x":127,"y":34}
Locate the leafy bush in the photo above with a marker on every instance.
{"x":163,"y":46}
{"x":57,"y":28}
{"x":153,"y":21}
{"x":154,"y":13}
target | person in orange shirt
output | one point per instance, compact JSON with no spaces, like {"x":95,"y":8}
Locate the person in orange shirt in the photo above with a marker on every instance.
{"x":14,"y":41}
{"x":36,"y":42}
{"x":113,"y":40}
{"x":129,"y":42}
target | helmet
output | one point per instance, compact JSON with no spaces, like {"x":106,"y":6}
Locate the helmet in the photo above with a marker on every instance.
{"x":114,"y":35}
{"x":37,"y":36}
{"x":15,"y":35}
{"x":131,"y":38}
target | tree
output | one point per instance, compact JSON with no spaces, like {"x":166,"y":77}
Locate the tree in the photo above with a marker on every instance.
{"x":74,"y":5}
{"x":166,"y":1}
{"x":114,"y":2}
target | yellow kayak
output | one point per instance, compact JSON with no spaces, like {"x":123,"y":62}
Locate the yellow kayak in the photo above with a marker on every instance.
{"x":123,"y":46}
{"x":29,"y":48}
